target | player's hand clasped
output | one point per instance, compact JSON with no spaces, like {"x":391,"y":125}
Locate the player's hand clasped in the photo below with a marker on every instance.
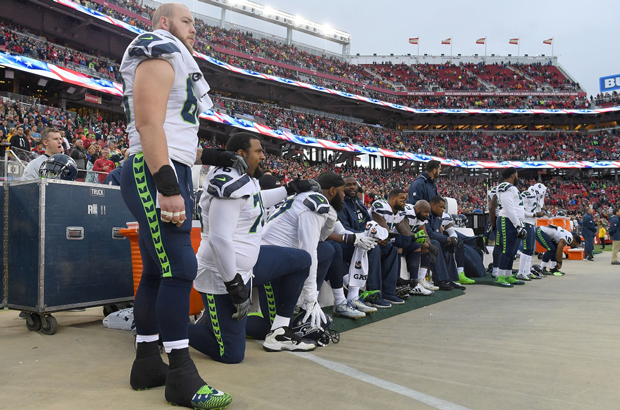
{"x":171,"y":202}
{"x":240,"y":296}
{"x":365,"y":242}
{"x":302,"y":185}
{"x":521,"y":232}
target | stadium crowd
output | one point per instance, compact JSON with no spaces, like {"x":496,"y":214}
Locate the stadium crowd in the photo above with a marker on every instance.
{"x":383,"y":75}
{"x":607,"y":99}
{"x":21,"y":126}
{"x":18,"y":40}
{"x":559,"y":146}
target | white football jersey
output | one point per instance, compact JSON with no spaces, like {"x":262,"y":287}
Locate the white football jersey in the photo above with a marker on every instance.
{"x":383,"y":208}
{"x":557,"y":234}
{"x":414,"y":222}
{"x":299,"y":216}
{"x":298,"y":224}
{"x":181,"y":124}
{"x":509,"y":203}
{"x":223,"y":184}
{"x":490,"y":194}
{"x":530,"y":207}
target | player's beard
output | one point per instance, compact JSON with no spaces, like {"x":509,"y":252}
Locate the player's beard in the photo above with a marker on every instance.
{"x":186,"y":43}
{"x":399,"y":208}
{"x":337,"y":202}
{"x":258,"y":172}
{"x":420,"y":217}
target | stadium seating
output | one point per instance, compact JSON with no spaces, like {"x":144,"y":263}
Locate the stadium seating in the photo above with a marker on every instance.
{"x":377,"y":80}
{"x":558,"y":146}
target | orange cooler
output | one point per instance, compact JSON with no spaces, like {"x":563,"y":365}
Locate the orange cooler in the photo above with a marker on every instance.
{"x":542,"y":222}
{"x":131,"y":232}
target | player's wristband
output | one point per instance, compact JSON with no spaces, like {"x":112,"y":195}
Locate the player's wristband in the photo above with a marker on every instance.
{"x":166,"y":181}
{"x":349,"y":238}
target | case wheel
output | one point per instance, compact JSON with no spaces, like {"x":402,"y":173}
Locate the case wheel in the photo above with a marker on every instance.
{"x":33,"y":322}
{"x":49,"y":325}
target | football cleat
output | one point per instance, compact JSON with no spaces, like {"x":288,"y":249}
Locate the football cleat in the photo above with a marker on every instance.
{"x":283,"y":338}
{"x":346,"y":310}
{"x":501,"y":282}
{"x":361,"y":306}
{"x":420,"y":290}
{"x":426,"y":285}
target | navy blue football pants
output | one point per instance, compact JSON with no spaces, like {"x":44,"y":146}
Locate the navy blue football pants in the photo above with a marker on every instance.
{"x":382,"y":267}
{"x":529,"y":243}
{"x":279,"y":275}
{"x":508,"y":242}
{"x":168,"y":259}
{"x":546,"y":242}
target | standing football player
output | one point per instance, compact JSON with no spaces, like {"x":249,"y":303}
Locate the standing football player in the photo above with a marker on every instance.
{"x":163,"y":93}
{"x":533,"y":202}
{"x":509,"y":227}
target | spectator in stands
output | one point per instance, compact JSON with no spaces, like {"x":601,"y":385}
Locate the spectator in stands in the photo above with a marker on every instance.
{"x":103,"y":166}
{"x":52,"y":141}
{"x":19,"y":140}
{"x":78,"y":153}
{"x":423,"y":187}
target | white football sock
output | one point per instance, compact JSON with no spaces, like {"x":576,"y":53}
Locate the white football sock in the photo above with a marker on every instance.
{"x":422,"y":273}
{"x":147,"y":338}
{"x":339,"y":298}
{"x":280,"y":321}
{"x":354,"y":292}
{"x":543,"y":264}
{"x":460,"y":270}
{"x":176,"y":344}
{"x":552,"y":264}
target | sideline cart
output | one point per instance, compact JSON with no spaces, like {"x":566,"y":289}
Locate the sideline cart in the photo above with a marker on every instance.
{"x":64,"y":249}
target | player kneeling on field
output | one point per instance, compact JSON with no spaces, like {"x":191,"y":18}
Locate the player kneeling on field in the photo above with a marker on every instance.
{"x":554,"y":239}
{"x":230,"y":254}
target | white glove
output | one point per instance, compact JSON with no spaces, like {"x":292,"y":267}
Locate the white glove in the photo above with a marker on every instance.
{"x":364,"y":242}
{"x":316,"y":315}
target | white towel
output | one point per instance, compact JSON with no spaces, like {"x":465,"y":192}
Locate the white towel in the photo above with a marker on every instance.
{"x":358,"y":270}
{"x":199,"y":84}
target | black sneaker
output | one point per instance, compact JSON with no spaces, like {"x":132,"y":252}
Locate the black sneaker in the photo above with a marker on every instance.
{"x":283,"y":338}
{"x":457,"y":286}
{"x":444,"y":285}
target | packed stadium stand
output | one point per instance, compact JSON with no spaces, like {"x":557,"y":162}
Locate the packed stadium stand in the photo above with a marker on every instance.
{"x":498,"y":83}
{"x":381,"y":80}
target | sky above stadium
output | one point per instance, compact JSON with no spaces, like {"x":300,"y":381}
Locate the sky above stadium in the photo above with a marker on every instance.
{"x":586,"y":36}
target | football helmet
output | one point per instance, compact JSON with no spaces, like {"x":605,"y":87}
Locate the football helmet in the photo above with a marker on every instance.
{"x":538,"y":189}
{"x":59,"y":166}
{"x":536,"y":269}
{"x":322,"y":337}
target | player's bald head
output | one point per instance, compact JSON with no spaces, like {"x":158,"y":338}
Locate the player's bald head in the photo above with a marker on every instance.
{"x":167,"y":10}
{"x":422,"y":205}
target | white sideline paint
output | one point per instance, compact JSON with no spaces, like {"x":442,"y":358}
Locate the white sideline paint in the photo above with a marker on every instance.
{"x":393,"y":387}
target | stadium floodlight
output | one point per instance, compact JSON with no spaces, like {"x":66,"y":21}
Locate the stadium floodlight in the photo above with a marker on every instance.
{"x":268,"y":11}
{"x":299,"y":21}
{"x":328,"y":30}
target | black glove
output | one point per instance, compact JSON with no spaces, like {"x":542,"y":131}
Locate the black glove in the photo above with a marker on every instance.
{"x":240,"y":296}
{"x":221,"y":158}
{"x":302,"y":185}
{"x":521,"y":232}
{"x":433,"y":250}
